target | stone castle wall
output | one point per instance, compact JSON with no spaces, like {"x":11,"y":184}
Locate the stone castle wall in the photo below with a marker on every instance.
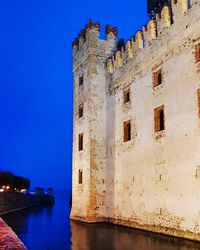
{"x":151,"y":181}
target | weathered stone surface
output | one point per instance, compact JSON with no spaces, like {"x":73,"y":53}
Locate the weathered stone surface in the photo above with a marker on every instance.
{"x":152,"y":181}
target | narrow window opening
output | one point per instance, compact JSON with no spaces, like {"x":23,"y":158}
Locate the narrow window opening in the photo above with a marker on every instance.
{"x":81,"y":81}
{"x":126,"y":96}
{"x":159,"y":119}
{"x":198,"y":96}
{"x":80,"y":111}
{"x":189,"y":4}
{"x":157,"y":78}
{"x":80,"y":176}
{"x":80,"y":142}
{"x":127,"y":131}
{"x":197,"y":53}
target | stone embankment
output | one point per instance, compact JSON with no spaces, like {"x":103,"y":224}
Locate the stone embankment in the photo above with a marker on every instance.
{"x":12,"y":202}
{"x":8,"y":239}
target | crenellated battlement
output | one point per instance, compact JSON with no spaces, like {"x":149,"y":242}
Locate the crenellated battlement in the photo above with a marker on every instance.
{"x":77,"y":43}
{"x":168,"y":16}
{"x":89,"y":42}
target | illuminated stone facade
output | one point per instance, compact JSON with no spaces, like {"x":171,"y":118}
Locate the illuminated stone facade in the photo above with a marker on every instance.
{"x":136,"y":139}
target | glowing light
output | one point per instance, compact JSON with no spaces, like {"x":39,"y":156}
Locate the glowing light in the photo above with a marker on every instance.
{"x":23,"y":191}
{"x":1,"y":190}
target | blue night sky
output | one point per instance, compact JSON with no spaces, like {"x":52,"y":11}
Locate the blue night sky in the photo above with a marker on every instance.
{"x":36,"y":83}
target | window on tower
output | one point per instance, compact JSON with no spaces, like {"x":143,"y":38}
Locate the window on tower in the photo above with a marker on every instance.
{"x":80,"y":176}
{"x":198,"y":99}
{"x":127,"y":131}
{"x":159,"y":119}
{"x":80,"y":142}
{"x":157,"y":78}
{"x":197,"y":53}
{"x":81,"y":81}
{"x":126,"y":96}
{"x":80,"y":111}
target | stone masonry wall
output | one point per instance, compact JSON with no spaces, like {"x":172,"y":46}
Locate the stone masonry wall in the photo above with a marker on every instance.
{"x":152,"y":181}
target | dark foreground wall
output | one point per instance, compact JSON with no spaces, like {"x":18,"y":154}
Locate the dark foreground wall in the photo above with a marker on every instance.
{"x":8,"y":239}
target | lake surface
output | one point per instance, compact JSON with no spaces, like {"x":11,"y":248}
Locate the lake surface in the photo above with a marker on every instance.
{"x":49,"y":228}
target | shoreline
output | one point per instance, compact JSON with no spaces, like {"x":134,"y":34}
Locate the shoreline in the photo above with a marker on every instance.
{"x":13,"y":202}
{"x":19,"y":209}
{"x":8,"y":239}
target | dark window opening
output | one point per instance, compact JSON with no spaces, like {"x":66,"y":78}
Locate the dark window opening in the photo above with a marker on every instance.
{"x":81,"y":81}
{"x":80,"y":176}
{"x":198,"y":96}
{"x":80,"y":111}
{"x":80,"y":142}
{"x":159,"y":119}
{"x":189,"y":4}
{"x":157,"y":78}
{"x":197,"y":53}
{"x":126,"y":96}
{"x":127,"y":131}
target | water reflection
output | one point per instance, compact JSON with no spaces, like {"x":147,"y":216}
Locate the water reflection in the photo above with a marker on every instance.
{"x":22,"y":220}
{"x":49,"y":228}
{"x":111,"y":237}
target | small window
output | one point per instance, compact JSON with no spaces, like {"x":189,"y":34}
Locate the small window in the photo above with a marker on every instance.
{"x":197,"y":53}
{"x":157,"y":78}
{"x":80,"y":142}
{"x":159,"y":119}
{"x":126,"y":96}
{"x":127,"y":131}
{"x":80,"y":111}
{"x":80,"y":176}
{"x":189,"y":4}
{"x":198,"y":96}
{"x":81,"y":81}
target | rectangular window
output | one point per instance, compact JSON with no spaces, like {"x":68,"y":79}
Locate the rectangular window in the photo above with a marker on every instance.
{"x":159,"y":119}
{"x":198,"y":96}
{"x":126,"y":96}
{"x":80,"y":142}
{"x":81,"y":81}
{"x":80,"y":176}
{"x":197,"y":53}
{"x":80,"y":111}
{"x":127,"y":131}
{"x":157,"y":78}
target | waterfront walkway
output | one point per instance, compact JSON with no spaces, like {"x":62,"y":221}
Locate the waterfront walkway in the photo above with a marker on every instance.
{"x":8,"y":239}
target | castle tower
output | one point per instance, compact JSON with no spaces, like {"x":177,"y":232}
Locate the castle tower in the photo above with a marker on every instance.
{"x":89,"y":135}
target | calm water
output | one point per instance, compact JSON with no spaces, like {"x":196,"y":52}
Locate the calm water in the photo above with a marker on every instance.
{"x":49,"y":228}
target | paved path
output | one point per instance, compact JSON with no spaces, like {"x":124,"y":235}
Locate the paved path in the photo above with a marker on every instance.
{"x":8,"y":239}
